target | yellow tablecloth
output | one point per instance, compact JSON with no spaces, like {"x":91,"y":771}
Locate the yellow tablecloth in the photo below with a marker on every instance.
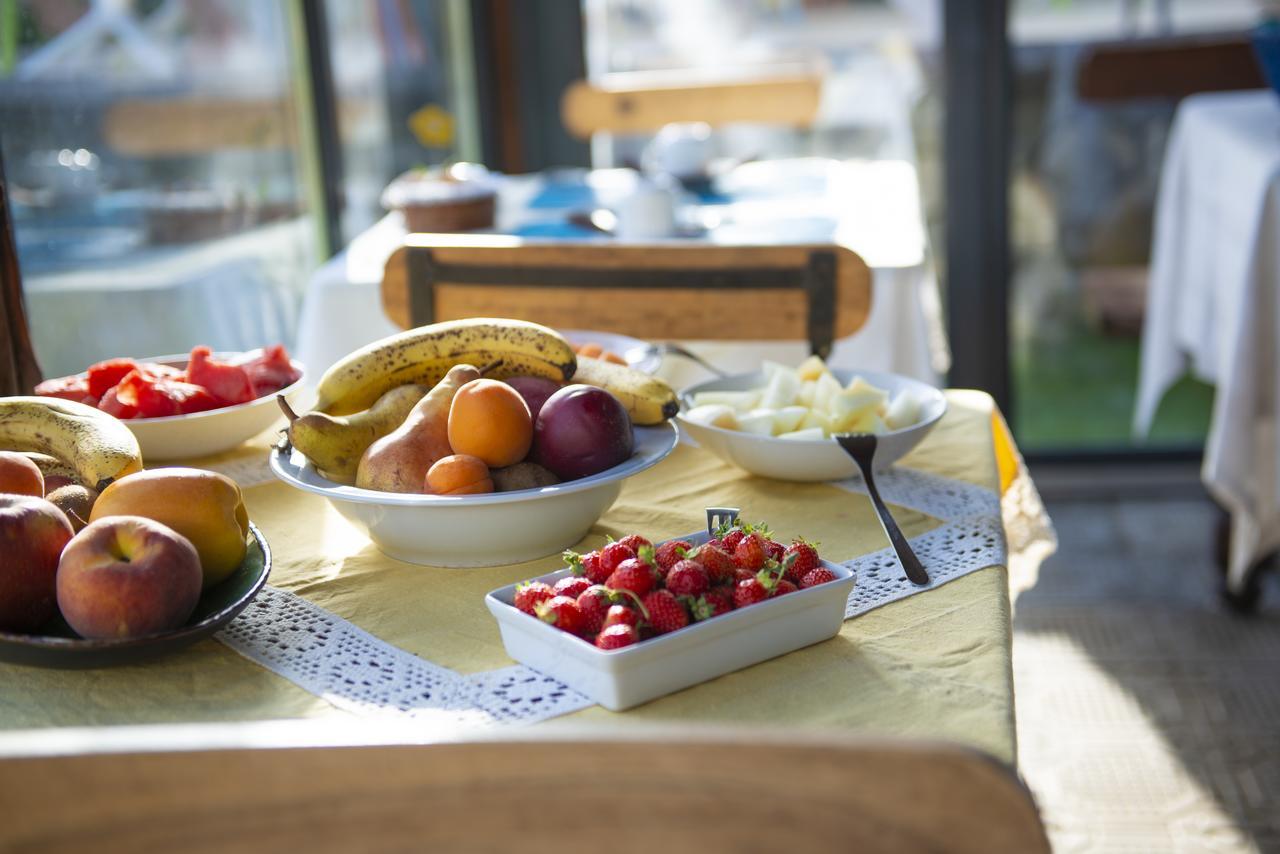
{"x":934,"y":665}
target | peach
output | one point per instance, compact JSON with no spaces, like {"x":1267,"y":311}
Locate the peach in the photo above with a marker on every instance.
{"x":459,"y":474}
{"x":19,"y":475}
{"x":127,"y":577}
{"x":490,"y":420}
{"x":32,"y":535}
{"x":203,"y":506}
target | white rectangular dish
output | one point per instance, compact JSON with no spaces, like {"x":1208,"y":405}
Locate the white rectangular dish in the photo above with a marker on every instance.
{"x":621,"y":678}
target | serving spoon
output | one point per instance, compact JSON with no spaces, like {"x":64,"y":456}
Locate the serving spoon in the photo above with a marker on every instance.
{"x":862,"y":448}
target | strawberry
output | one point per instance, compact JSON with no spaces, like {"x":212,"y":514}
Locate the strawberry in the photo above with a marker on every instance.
{"x":621,"y":615}
{"x":612,"y":555}
{"x":687,"y":578}
{"x":670,"y":552}
{"x":783,"y":586}
{"x":617,"y":636}
{"x":749,"y":592}
{"x":594,"y":604}
{"x":666,"y":614}
{"x":749,"y":552}
{"x":740,"y":574}
{"x":806,"y":559}
{"x":562,"y":612}
{"x":571,"y":586}
{"x":713,"y":603}
{"x":716,"y":561}
{"x":817,"y":575}
{"x":588,"y":565}
{"x":531,"y":594}
{"x":635,"y":542}
{"x":774,"y":550}
{"x":730,"y":540}
{"x":714,"y":542}
{"x":632,"y":575}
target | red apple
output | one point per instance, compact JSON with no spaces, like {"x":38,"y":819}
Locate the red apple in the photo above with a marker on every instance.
{"x":32,"y":534}
{"x":126,"y":576}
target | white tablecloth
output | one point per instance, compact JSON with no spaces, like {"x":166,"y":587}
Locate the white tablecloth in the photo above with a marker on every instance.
{"x":871,"y":207}
{"x":1213,"y":304}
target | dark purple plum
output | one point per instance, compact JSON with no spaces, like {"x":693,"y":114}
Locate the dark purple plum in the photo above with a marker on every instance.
{"x":582,"y":430}
{"x":534,"y":390}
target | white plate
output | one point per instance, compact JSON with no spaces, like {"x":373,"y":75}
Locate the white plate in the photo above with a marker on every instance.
{"x":813,"y":459}
{"x":621,"y":678}
{"x":202,"y":434}
{"x":479,"y":530}
{"x":638,"y":354}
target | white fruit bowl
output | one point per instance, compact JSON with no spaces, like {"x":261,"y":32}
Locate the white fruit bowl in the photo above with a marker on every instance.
{"x":810,"y":459}
{"x":202,"y":434}
{"x":621,"y":678}
{"x":479,"y":530}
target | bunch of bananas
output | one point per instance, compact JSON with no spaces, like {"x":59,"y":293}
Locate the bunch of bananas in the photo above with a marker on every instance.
{"x":64,"y":435}
{"x":355,"y":407}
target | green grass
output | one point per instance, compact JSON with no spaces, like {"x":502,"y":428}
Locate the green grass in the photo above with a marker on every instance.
{"x":1076,"y":390}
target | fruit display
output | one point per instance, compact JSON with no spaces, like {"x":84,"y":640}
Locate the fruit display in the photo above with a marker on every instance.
{"x":473,"y":406}
{"x":630,"y":590}
{"x":807,"y":402}
{"x":127,"y":562}
{"x":136,"y":390}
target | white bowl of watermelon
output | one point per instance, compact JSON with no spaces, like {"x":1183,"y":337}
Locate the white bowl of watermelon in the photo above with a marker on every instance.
{"x":186,"y":406}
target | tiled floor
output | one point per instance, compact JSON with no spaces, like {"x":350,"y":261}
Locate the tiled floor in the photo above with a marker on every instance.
{"x":1148,"y":718}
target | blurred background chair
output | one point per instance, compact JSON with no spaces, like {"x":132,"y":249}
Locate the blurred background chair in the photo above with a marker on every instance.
{"x":663,"y":291}
{"x":645,"y":102}
{"x":694,"y":794}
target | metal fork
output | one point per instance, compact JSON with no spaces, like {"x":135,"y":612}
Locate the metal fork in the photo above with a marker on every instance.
{"x":862,"y":448}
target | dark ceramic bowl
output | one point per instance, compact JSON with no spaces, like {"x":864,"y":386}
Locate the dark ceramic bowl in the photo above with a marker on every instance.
{"x":217,"y":606}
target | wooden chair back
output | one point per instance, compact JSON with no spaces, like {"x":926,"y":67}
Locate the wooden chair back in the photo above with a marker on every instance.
{"x":643,"y":103}
{"x":1167,"y":68}
{"x":678,"y":795}
{"x":669,"y":290}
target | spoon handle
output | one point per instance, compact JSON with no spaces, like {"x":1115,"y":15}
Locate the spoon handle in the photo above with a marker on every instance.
{"x":910,"y":563}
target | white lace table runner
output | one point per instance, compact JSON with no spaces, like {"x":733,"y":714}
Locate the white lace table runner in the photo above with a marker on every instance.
{"x":334,"y":659}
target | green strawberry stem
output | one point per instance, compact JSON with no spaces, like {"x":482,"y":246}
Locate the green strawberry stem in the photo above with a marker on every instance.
{"x":644,"y":612}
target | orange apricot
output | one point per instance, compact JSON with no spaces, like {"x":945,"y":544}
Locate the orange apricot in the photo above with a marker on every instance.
{"x":459,"y":474}
{"x":610,"y":356}
{"x":490,"y":420}
{"x":591,"y":349}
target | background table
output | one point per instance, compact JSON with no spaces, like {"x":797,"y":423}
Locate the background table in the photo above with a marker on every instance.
{"x":1213,"y":304}
{"x":935,"y":665}
{"x":870,"y":206}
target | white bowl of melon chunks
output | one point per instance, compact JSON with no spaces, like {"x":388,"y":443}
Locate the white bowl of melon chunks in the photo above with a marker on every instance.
{"x":778,"y":422}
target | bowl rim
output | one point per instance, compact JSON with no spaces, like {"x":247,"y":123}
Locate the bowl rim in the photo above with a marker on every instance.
{"x":666,"y":433}
{"x":173,"y":360}
{"x":925,"y":424}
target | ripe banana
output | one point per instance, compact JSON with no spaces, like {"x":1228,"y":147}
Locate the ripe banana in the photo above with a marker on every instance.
{"x":52,"y":466}
{"x":98,"y":446}
{"x":649,"y":400}
{"x":425,"y":354}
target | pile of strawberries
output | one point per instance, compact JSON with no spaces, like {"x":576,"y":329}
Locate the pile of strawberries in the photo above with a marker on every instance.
{"x":628,"y":590}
